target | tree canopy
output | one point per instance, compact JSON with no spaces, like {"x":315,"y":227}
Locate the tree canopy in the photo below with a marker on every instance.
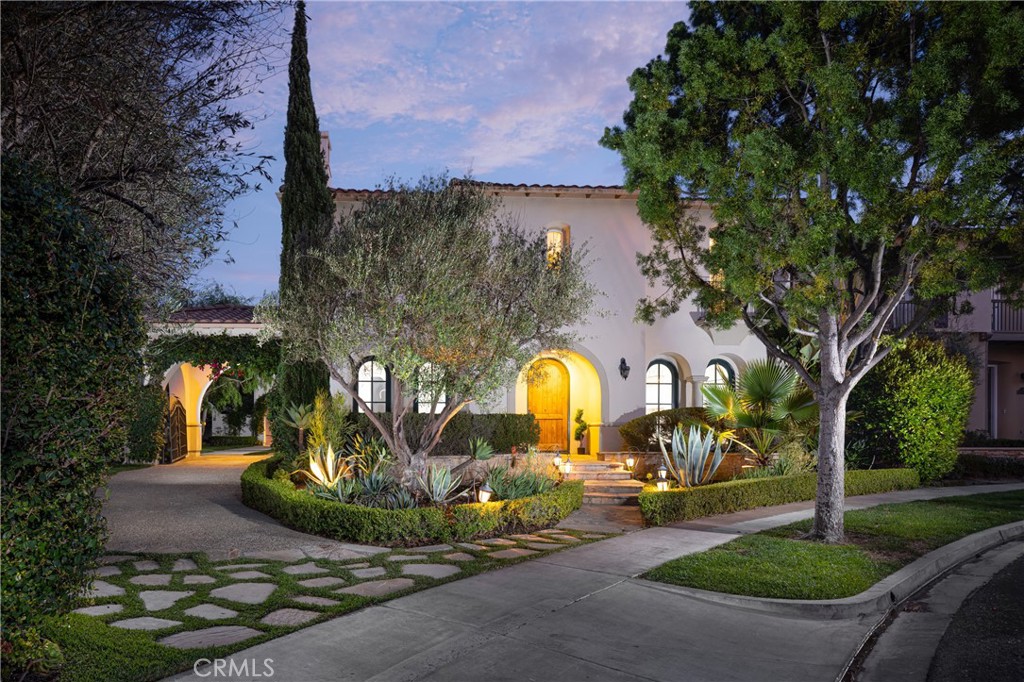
{"x":854,"y":155}
{"x":137,"y":108}
{"x":434,"y":282}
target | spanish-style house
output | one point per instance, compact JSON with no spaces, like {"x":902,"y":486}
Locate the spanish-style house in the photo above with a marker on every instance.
{"x":620,"y":369}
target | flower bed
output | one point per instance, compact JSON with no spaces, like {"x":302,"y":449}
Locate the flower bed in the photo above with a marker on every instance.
{"x":661,"y":507}
{"x":277,"y":497}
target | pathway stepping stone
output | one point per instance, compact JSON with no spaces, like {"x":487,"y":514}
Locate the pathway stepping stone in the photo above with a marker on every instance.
{"x":198,"y":579}
{"x":210,"y":612}
{"x":326,"y":581}
{"x":406,"y":557}
{"x":459,"y":556}
{"x":101,"y":588}
{"x":431,"y":548}
{"x":183,"y":565}
{"x":470,"y":545}
{"x":361,"y":564}
{"x":215,"y":636}
{"x":105,"y":571}
{"x":158,"y":600}
{"x":114,"y":559}
{"x":304,"y":569}
{"x":145,"y":565}
{"x":541,"y":546}
{"x":374,"y":572}
{"x":513,"y":553}
{"x":530,"y":538}
{"x":245,"y":593}
{"x":289,"y":617}
{"x":248,"y":575}
{"x":151,"y":579}
{"x":430,"y":570}
{"x":315,"y":601}
{"x":564,"y":538}
{"x":378,"y":588}
{"x":238,"y":567}
{"x":101,"y":610}
{"x":333,"y":553}
{"x":497,"y":542}
{"x":145,"y":623}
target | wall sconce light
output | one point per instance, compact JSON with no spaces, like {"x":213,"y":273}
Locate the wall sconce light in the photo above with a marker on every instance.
{"x":484,"y":494}
{"x":623,"y":368}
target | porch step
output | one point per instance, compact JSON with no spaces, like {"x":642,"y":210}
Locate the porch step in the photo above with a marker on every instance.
{"x":596,"y":467}
{"x":615,"y":487}
{"x":598,"y":475}
{"x":611,"y":498}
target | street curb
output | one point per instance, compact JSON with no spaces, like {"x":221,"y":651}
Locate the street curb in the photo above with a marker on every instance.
{"x":876,"y":600}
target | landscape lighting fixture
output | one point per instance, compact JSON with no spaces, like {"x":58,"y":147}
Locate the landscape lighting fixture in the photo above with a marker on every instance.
{"x":557,"y":461}
{"x":662,"y":484}
{"x":484,"y":494}
{"x":568,"y":464}
{"x":663,"y":472}
{"x":630,"y":462}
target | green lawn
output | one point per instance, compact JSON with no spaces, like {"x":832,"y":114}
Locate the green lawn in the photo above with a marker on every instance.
{"x":779,"y":564}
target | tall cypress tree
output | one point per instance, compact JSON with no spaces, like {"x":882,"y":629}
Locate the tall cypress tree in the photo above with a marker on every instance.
{"x":307,"y":211}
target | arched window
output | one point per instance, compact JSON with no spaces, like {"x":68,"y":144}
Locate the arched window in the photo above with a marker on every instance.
{"x":662,"y":386}
{"x":374,"y":386}
{"x":429,"y":377}
{"x":557,"y":239}
{"x":719,"y":373}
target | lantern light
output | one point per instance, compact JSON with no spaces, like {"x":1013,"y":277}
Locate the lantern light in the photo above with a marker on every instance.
{"x":568,"y":464}
{"x":663,"y":472}
{"x":557,"y":461}
{"x":630,"y":462}
{"x":662,"y":484}
{"x":484,"y":494}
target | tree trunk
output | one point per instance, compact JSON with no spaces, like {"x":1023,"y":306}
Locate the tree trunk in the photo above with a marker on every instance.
{"x":828,"y":506}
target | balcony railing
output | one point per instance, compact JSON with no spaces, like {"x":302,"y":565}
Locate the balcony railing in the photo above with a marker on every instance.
{"x":905,"y":312}
{"x":1006,"y":318}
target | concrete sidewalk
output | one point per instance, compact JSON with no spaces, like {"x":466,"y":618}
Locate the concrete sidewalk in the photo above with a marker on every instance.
{"x":581,"y":614}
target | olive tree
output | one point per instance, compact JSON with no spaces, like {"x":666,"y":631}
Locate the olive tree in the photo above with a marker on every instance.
{"x":437,"y":283}
{"x":854,"y":156}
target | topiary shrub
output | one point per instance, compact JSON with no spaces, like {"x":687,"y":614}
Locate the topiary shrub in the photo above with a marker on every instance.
{"x":71,"y":359}
{"x":639,"y":433}
{"x":911,"y":410}
{"x":146,"y":425}
{"x":503,"y":431}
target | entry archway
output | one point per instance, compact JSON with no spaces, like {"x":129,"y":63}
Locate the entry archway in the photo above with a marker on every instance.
{"x":586,"y":391}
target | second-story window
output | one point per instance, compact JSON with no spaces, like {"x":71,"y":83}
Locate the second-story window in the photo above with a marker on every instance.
{"x":557,"y":240}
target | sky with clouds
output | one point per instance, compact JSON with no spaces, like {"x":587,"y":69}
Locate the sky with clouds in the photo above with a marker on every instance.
{"x":513,"y":92}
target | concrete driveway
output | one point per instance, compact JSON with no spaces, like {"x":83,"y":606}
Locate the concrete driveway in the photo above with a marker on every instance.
{"x":196,"y":506}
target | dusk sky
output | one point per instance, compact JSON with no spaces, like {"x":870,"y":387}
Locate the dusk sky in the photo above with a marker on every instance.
{"x":512,"y":92}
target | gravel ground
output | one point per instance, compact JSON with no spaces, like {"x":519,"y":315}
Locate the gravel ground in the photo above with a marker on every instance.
{"x":985,"y":640}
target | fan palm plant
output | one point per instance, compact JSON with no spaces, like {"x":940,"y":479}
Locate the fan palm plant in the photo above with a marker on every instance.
{"x":768,"y":407}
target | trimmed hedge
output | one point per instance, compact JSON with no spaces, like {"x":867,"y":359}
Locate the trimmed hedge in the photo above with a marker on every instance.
{"x":277,"y":497}
{"x":989,"y":466}
{"x":639,"y":433}
{"x":659,"y":508}
{"x":146,"y":425}
{"x":233,"y":441}
{"x":503,"y":431}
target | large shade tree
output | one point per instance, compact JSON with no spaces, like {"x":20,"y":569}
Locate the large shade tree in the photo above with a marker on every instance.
{"x":138,"y":108}
{"x":854,"y":155}
{"x":436,"y":283}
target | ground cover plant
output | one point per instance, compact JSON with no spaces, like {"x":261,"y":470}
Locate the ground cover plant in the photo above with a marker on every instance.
{"x":95,"y":650}
{"x":782,"y":563}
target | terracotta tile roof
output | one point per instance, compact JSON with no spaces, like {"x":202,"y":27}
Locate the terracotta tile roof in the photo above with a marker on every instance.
{"x":587,"y":191}
{"x":215,"y":314}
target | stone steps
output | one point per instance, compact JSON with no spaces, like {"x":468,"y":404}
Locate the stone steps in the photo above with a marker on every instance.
{"x":606,"y":483}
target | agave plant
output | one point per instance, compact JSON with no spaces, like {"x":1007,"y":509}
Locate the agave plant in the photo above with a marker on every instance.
{"x":366,"y":456}
{"x":325,"y":468}
{"x":689,"y":463}
{"x":439,"y":486}
{"x":769,"y":407}
{"x":480,"y":449}
{"x":513,"y":485}
{"x":299,"y":417}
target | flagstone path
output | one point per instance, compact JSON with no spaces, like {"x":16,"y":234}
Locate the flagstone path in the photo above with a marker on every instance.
{"x":195,"y":602}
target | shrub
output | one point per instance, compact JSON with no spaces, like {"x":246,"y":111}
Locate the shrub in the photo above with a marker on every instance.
{"x":278,"y":497}
{"x":681,"y":504}
{"x":71,"y":359}
{"x":639,"y":433}
{"x":989,"y":466}
{"x":232,"y":441}
{"x":146,"y":425}
{"x":503,"y":431}
{"x":509,"y":484}
{"x":912,"y":410}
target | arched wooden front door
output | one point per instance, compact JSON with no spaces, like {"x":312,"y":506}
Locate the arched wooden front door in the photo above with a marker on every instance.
{"x":176,"y":443}
{"x":547,"y":399}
